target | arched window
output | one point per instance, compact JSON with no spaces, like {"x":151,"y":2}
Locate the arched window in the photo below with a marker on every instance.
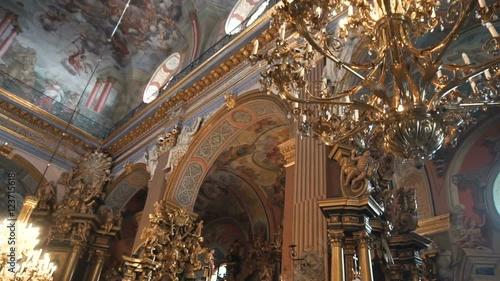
{"x":241,"y":11}
{"x":496,"y":193}
{"x":161,"y":77}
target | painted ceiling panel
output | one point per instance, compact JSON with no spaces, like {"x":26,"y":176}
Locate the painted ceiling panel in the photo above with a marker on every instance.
{"x":62,"y":53}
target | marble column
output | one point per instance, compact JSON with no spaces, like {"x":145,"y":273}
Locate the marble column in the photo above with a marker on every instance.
{"x":105,"y":94}
{"x":4,"y":47}
{"x":287,"y":149}
{"x":7,"y":20}
{"x":93,"y":93}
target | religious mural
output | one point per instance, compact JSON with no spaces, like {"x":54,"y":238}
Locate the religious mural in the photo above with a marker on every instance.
{"x":54,"y":53}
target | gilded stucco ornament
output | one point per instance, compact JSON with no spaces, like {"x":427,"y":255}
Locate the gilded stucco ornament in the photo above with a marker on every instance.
{"x":172,"y":245}
{"x":84,"y":194}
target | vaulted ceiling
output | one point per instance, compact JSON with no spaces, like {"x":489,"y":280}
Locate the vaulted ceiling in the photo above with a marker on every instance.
{"x":100,"y":55}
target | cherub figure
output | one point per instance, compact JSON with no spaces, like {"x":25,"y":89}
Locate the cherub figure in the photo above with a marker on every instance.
{"x":359,"y":170}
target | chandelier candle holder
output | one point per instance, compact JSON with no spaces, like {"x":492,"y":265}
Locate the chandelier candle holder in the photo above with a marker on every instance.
{"x":19,"y":260}
{"x":405,"y":76}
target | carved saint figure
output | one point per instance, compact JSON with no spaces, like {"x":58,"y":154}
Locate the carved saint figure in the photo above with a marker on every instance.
{"x":46,"y":195}
{"x":182,"y":144}
{"x":472,"y":237}
{"x":152,"y":160}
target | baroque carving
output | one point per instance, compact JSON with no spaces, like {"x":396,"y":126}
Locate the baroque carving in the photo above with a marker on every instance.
{"x":311,"y":268}
{"x":84,"y":192}
{"x":356,"y":173}
{"x":472,"y":236}
{"x":230,"y":100}
{"x":172,"y":244}
{"x":163,"y":145}
{"x":46,"y":196}
{"x":181,"y":147}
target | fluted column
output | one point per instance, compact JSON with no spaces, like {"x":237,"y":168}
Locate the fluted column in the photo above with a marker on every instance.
{"x":337,"y":249}
{"x":309,"y":229}
{"x":287,"y":149}
{"x":74,"y":255}
{"x":365,"y":260}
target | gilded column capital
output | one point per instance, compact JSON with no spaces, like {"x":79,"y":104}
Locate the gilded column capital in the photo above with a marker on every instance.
{"x":336,"y":237}
{"x":362,"y":236}
{"x":287,"y":149}
{"x":6,"y":149}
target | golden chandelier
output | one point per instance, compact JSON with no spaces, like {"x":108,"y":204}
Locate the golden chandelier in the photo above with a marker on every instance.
{"x":405,"y":76}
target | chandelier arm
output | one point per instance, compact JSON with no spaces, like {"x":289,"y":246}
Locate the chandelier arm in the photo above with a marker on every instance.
{"x":346,"y":136}
{"x":442,"y":47}
{"x":433,"y":102}
{"x":302,"y":30}
{"x":316,"y":100}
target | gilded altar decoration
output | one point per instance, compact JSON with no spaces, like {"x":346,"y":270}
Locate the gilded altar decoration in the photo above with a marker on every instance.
{"x":84,"y":194}
{"x":260,"y":257}
{"x":172,"y":246}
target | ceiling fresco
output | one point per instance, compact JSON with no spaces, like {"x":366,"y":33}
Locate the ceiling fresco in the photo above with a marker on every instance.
{"x":243,"y":193}
{"x":63,"y":51}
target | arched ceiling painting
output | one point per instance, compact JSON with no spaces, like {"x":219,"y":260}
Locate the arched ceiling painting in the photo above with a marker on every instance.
{"x":242,"y":195}
{"x":61,"y":49}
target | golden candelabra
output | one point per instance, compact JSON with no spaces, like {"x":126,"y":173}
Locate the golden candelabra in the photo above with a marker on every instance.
{"x":405,"y":76}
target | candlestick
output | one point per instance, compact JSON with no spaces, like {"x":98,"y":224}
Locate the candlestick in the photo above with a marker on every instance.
{"x":466,"y":59}
{"x":255,"y":47}
{"x":283,"y":31}
{"x":487,"y":74}
{"x":492,"y":29}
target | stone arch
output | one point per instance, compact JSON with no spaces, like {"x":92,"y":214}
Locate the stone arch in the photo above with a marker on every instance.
{"x":460,"y":156}
{"x":26,"y":177}
{"x":126,"y":185}
{"x":184,"y":183}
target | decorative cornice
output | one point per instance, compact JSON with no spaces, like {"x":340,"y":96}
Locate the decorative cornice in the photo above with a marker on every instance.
{"x":197,"y":89}
{"x":35,"y":123}
{"x":288,"y":150}
{"x":434,"y":225}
